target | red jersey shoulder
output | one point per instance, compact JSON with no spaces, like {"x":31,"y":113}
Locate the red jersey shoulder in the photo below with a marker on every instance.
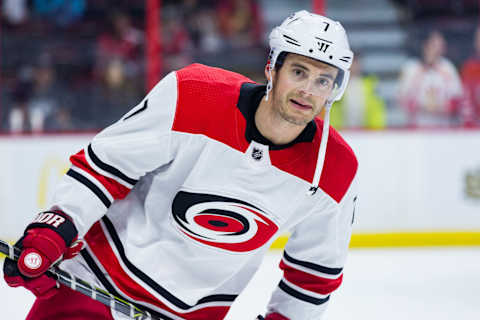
{"x":207,"y":89}
{"x":207,"y":100}
{"x":340,"y":166}
{"x":209,"y":75}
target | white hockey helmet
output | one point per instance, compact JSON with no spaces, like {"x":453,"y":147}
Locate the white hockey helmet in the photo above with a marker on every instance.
{"x":322,"y":39}
{"x":316,"y":37}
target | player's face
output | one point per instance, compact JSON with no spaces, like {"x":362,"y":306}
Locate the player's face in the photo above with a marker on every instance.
{"x":301,"y":88}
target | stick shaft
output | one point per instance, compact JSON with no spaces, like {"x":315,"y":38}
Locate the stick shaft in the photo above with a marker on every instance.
{"x":85,"y":288}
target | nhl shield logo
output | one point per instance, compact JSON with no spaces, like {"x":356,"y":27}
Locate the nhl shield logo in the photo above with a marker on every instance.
{"x":257,"y":154}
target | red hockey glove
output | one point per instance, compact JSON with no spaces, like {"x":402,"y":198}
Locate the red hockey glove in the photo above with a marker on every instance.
{"x":43,"y":287}
{"x":51,"y":237}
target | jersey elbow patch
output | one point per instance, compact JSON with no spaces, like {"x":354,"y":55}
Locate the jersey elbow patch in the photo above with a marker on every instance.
{"x":307,"y":281}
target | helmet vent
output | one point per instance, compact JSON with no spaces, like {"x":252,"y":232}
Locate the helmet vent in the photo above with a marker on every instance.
{"x":327,"y":41}
{"x":293,"y":20}
{"x":296,"y":44}
{"x":291,"y":40}
{"x":345,"y":59}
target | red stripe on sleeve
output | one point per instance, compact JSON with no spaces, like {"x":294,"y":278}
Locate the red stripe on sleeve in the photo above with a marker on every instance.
{"x":117,"y":190}
{"x":98,"y":243}
{"x":309,"y":281}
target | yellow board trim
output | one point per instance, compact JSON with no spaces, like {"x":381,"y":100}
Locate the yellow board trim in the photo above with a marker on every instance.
{"x":404,"y":239}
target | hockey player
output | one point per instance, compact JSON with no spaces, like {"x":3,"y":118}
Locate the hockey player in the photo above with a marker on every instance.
{"x":178,"y":200}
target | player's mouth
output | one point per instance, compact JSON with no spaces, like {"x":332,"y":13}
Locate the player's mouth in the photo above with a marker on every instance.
{"x":300,"y":104}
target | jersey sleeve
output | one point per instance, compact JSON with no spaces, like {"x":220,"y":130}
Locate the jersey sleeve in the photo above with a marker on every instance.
{"x":112,"y":163}
{"x":313,"y":260}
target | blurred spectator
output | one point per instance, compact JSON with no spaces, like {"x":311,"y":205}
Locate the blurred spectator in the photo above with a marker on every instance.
{"x":60,"y":120}
{"x":177,"y":45}
{"x":122,"y":41}
{"x":19,"y":116}
{"x":360,"y":106}
{"x":192,"y":11}
{"x":15,"y":11}
{"x":240,"y":22}
{"x":112,"y":97}
{"x":429,"y":88}
{"x":38,"y":96}
{"x":209,"y":39}
{"x":62,"y":12}
{"x":471,"y":83}
{"x":199,"y":20}
{"x":421,"y":9}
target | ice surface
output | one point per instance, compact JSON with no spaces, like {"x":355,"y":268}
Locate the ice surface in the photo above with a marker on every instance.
{"x":393,"y":284}
{"x":379,"y":284}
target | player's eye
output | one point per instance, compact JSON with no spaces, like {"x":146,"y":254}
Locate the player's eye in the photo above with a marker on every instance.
{"x":298,"y":73}
{"x":324,"y":82}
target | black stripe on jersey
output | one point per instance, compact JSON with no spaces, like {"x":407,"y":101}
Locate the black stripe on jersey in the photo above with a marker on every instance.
{"x":217,"y":298}
{"x":98,"y":273}
{"x":108,"y":168}
{"x":90,"y":185}
{"x":313,"y":266}
{"x":301,"y":296}
{"x":150,"y":282}
{"x":144,"y":107}
{"x":108,"y":286}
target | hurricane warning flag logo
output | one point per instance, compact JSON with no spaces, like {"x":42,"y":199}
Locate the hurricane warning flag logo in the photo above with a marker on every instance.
{"x":222,"y":222}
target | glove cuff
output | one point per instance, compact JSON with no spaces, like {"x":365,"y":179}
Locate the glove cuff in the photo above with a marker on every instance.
{"x":57,"y":221}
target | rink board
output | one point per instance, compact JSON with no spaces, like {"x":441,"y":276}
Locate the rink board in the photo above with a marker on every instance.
{"x":416,"y":187}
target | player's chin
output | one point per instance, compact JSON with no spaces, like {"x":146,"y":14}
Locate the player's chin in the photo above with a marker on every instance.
{"x":297,"y":120}
{"x":302,"y":116}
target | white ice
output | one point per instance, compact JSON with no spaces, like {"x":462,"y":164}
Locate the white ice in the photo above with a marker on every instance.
{"x":379,"y":284}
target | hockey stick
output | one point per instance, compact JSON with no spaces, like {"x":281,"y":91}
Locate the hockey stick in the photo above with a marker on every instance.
{"x":85,"y":288}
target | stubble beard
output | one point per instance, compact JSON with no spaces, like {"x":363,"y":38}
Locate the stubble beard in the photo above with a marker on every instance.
{"x":281,"y":108}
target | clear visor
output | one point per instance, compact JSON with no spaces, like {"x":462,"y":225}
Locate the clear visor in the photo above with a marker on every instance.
{"x":315,"y":84}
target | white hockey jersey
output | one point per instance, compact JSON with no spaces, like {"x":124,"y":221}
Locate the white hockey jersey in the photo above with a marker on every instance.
{"x":179,"y":200}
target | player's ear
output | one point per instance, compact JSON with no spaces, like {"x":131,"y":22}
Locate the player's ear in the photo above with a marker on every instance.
{"x":267,"y":74}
